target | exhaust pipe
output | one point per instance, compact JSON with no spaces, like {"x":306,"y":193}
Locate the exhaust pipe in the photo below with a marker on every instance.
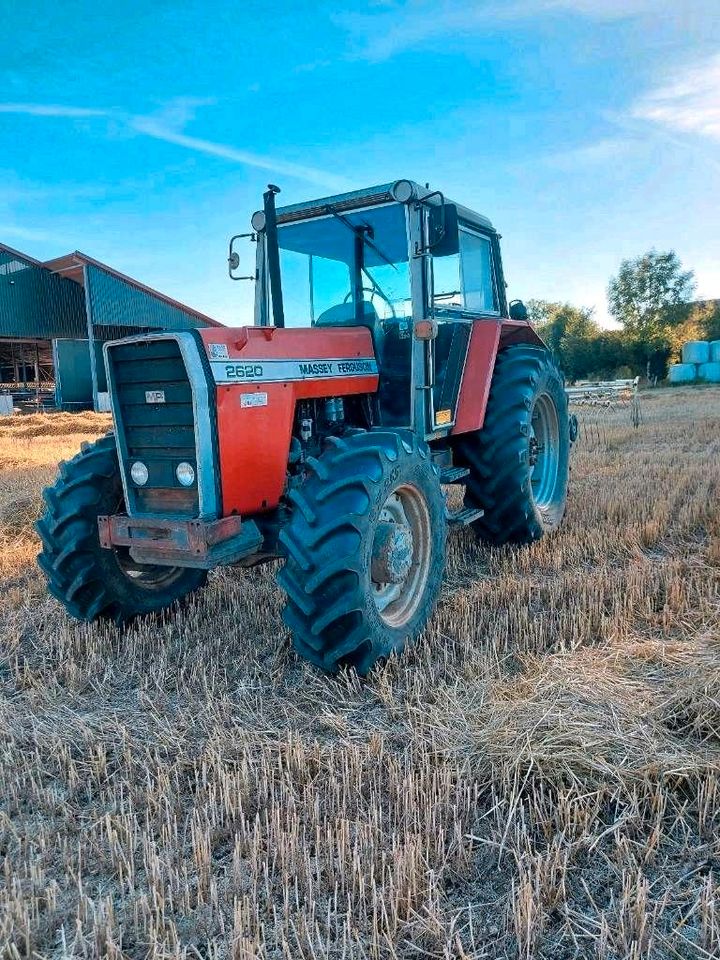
{"x":273,"y":254}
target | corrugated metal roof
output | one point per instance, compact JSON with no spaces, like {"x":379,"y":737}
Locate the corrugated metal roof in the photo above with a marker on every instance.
{"x":31,"y":261}
{"x":71,"y":266}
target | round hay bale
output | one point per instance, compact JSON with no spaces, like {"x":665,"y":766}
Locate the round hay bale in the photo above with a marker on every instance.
{"x":715,"y":351}
{"x":709,"y":372}
{"x":696,"y":351}
{"x":682,"y":373}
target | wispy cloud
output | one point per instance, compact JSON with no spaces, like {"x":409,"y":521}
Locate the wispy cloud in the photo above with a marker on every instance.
{"x":602,"y":152}
{"x":689,"y":103}
{"x":168,"y":125}
{"x":593,"y":9}
{"x":180,"y":111}
{"x":399,"y":26}
{"x":25,"y":233}
{"x":42,"y":193}
{"x":52,"y":110}
{"x":161,"y":131}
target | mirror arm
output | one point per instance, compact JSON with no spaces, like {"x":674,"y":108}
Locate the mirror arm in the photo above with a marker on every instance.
{"x":419,"y":250}
{"x":234,"y":259}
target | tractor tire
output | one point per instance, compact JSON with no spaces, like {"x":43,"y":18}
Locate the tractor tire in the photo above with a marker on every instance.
{"x":519,"y":460}
{"x":365,"y":548}
{"x":92,"y":582}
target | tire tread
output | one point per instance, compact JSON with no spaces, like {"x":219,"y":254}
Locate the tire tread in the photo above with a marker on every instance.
{"x":69,"y":539}
{"x":497,"y":454}
{"x":322,"y":576}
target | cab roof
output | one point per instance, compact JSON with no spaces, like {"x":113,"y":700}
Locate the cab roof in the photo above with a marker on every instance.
{"x":367,"y":197}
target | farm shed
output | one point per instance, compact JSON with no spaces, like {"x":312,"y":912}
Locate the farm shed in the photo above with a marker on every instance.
{"x":55,"y":316}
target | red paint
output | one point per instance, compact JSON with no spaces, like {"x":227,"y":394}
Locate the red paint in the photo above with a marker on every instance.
{"x":271,"y":343}
{"x":477,"y":376}
{"x":487,"y":338}
{"x":255,"y":441}
{"x":519,"y":331}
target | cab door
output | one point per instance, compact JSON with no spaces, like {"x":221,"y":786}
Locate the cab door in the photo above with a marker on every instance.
{"x":464,"y":290}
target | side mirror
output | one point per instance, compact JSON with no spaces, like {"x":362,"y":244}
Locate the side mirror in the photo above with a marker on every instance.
{"x":444,"y":235}
{"x":233,"y":259}
{"x":518,"y":310}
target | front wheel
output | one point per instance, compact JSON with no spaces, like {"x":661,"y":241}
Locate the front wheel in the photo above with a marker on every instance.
{"x":90,"y":581}
{"x":519,"y":460}
{"x":365,"y":548}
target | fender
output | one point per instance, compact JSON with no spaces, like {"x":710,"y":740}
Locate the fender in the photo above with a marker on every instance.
{"x":260,"y":374}
{"x":488,"y":337}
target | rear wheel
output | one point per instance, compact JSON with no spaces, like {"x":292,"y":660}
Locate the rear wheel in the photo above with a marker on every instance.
{"x":365,"y":549}
{"x":90,"y":581}
{"x":519,"y":460}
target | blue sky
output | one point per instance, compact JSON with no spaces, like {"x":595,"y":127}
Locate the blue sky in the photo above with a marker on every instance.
{"x":144,"y":133}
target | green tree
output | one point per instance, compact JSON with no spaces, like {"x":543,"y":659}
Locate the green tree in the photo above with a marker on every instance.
{"x":691,"y":328}
{"x":708,"y":317}
{"x":648,"y":296}
{"x":700,"y":321}
{"x":569,"y":331}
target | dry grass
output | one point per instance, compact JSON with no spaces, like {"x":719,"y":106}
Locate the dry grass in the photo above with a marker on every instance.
{"x":539,"y":778}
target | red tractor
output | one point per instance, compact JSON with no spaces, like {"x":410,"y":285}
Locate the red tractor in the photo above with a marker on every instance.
{"x":383,"y":365}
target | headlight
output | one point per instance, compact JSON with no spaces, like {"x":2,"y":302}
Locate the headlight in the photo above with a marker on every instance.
{"x":185,"y":474}
{"x":139,"y":473}
{"x":403,"y":191}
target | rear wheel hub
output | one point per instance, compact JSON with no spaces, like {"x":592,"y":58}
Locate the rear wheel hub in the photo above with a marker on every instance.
{"x":400,"y":555}
{"x":543,"y":446}
{"x":392,"y":552}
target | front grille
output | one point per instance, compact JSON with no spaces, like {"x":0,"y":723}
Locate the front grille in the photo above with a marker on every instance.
{"x":152,"y":401}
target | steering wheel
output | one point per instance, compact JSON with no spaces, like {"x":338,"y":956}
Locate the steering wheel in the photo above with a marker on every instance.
{"x":374,"y":292}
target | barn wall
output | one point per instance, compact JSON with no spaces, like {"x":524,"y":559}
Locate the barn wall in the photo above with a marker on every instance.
{"x":119,"y":309}
{"x":37,"y":304}
{"x":78,"y":315}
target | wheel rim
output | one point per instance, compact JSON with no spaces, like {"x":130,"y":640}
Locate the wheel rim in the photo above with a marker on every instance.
{"x":149,"y":576}
{"x":400,"y":561}
{"x":544,"y":450}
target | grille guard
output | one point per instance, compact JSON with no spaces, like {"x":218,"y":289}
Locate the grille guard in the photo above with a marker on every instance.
{"x":203,"y":404}
{"x":181,"y":543}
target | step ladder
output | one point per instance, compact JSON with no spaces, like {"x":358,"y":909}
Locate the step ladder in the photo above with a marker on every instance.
{"x":457,"y":519}
{"x":463,"y":518}
{"x":453,"y":474}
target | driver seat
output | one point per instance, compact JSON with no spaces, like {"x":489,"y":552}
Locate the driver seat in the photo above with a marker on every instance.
{"x":392,"y":344}
{"x":344,"y":315}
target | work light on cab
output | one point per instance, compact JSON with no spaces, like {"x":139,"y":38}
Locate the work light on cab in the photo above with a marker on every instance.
{"x":258,"y":221}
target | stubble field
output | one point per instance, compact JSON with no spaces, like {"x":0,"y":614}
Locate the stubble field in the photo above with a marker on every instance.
{"x":538,"y":778}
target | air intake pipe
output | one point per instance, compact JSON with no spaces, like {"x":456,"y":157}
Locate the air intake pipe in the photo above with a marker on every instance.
{"x":273,"y":254}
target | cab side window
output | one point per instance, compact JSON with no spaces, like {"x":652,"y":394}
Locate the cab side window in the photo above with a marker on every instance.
{"x":477,"y":273}
{"x":447,"y":286}
{"x":464,"y":282}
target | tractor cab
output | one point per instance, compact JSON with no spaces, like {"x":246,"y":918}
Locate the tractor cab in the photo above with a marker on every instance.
{"x":400,"y":260}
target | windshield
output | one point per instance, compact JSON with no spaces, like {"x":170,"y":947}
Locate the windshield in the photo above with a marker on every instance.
{"x":329,"y":263}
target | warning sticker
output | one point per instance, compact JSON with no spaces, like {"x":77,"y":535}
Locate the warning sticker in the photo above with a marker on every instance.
{"x":253,"y":399}
{"x":442,"y":417}
{"x":218,"y":351}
